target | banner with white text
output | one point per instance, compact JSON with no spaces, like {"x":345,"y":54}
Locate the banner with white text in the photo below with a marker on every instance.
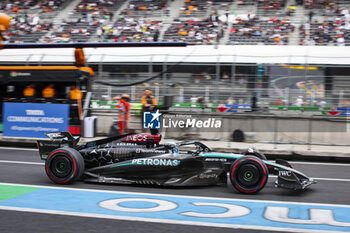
{"x":34,"y":119}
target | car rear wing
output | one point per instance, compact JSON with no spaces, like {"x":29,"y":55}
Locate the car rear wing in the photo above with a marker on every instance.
{"x":57,"y":140}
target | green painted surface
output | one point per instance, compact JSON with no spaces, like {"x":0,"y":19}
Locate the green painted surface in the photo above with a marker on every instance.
{"x":8,"y":191}
{"x":1,"y":127}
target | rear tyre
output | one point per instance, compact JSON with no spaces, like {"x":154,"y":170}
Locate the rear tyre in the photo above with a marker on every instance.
{"x":64,"y":165}
{"x":248,"y":174}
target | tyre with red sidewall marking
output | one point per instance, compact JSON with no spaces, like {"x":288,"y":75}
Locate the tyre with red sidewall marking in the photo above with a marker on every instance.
{"x":255,"y":153}
{"x":64,"y":165}
{"x":248,"y":174}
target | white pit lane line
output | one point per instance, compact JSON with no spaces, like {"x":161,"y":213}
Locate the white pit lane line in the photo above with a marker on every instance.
{"x":18,"y":148}
{"x":22,"y":162}
{"x":319,"y":163}
{"x":42,"y":164}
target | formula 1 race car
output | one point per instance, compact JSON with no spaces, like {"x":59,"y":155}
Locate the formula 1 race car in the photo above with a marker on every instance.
{"x":140,"y":159}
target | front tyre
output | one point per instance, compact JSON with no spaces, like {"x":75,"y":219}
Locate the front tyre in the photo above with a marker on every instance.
{"x":64,"y":165}
{"x":254,"y":152}
{"x":248,"y":174}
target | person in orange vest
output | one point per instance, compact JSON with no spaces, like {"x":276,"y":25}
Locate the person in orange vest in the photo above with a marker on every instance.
{"x":148,"y":101}
{"x":124,"y":113}
{"x":29,"y":92}
{"x":75,"y":94}
{"x":48,"y":92}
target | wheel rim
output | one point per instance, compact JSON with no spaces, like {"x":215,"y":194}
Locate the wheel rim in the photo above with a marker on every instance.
{"x":61,"y":166}
{"x":248,"y":175}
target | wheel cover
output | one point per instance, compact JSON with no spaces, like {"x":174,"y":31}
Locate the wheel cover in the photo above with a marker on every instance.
{"x":61,"y":166}
{"x":248,"y":175}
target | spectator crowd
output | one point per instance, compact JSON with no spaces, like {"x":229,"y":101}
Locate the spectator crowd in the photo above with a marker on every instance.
{"x":194,"y":8}
{"x":271,"y":4}
{"x":18,"y":6}
{"x":128,"y":29}
{"x":26,"y":28}
{"x":331,"y":32}
{"x":149,"y":7}
{"x":319,"y":4}
{"x":92,"y":9}
{"x":257,"y":31}
{"x":199,"y":22}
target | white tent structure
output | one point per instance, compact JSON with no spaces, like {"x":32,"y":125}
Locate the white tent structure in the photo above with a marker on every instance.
{"x":240,"y":54}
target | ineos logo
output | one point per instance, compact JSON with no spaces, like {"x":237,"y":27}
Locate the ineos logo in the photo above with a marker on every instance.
{"x":139,"y":138}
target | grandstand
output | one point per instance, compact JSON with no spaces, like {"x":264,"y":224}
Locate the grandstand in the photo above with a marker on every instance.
{"x":232,"y":22}
{"x":255,"y":31}
{"x":208,"y":31}
{"x":31,"y":19}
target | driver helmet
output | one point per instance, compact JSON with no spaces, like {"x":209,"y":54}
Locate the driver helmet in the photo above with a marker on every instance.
{"x":172,"y":146}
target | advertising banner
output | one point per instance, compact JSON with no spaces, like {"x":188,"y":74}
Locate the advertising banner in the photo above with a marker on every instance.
{"x":33,"y":119}
{"x":31,"y":75}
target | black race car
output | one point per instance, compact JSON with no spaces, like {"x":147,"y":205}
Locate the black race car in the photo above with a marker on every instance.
{"x":140,"y":159}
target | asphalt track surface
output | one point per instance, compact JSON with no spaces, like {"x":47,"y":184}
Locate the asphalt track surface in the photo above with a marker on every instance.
{"x":22,"y":166}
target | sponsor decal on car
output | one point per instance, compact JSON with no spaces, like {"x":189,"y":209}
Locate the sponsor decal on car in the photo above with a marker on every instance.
{"x":284,"y":173}
{"x":216,"y":159}
{"x":137,"y":138}
{"x":50,"y":144}
{"x":156,"y":162}
{"x":125,"y":144}
{"x":143,"y":151}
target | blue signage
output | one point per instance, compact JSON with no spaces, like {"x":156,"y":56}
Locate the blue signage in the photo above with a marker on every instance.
{"x":34,"y":120}
{"x":238,"y":107}
{"x":344,"y":111}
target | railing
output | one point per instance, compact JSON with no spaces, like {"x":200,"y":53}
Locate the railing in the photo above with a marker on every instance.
{"x":227,"y":92}
{"x":315,"y":128}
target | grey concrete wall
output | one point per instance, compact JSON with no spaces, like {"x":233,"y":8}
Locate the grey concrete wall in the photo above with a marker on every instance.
{"x":105,"y":119}
{"x":257,"y":128}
